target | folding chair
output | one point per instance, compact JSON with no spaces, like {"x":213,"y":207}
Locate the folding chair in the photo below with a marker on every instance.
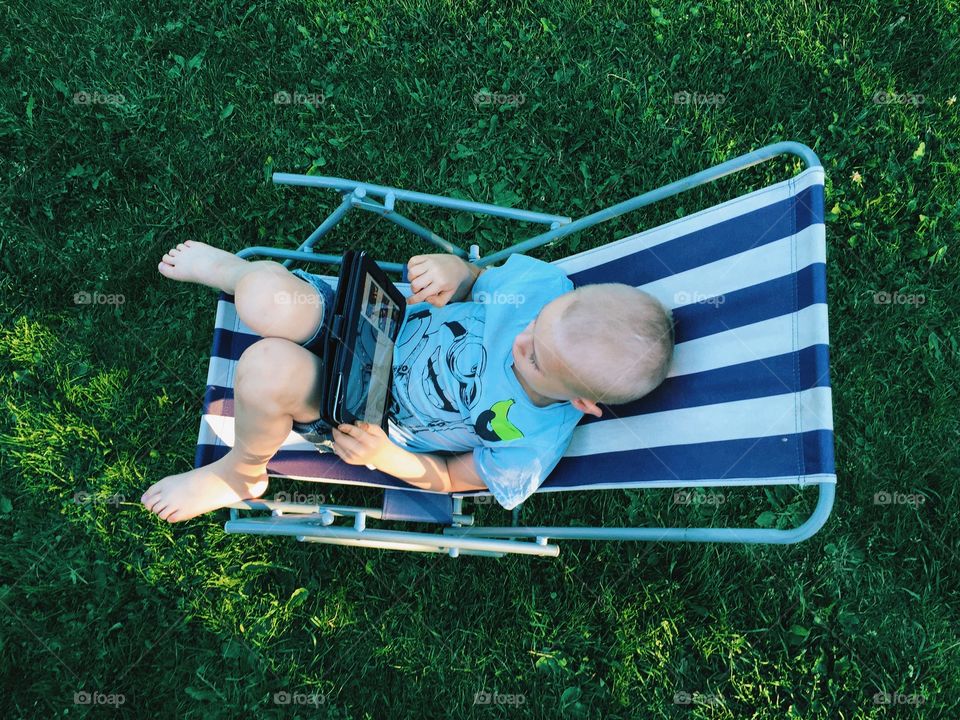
{"x":747,"y":402}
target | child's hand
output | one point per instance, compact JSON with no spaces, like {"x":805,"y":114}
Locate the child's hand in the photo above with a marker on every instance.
{"x":361,"y":444}
{"x":439,"y":278}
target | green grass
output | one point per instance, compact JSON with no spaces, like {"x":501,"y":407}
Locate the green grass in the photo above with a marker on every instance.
{"x":184,"y":621}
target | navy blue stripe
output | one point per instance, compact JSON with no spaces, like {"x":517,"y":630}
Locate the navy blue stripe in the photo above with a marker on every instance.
{"x":818,"y":452}
{"x":413,"y":506}
{"x":763,"y":301}
{"x":218,"y":401}
{"x":777,"y":375}
{"x":809,"y":206}
{"x":724,"y":239}
{"x":229,"y":344}
{"x":809,"y":453}
{"x":308,"y":463}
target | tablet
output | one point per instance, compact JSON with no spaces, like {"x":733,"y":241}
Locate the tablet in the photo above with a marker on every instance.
{"x":358,"y":357}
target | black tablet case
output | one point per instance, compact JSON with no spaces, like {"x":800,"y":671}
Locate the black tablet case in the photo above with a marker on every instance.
{"x":337,"y":343}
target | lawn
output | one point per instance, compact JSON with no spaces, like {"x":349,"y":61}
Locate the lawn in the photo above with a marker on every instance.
{"x":125,"y":130}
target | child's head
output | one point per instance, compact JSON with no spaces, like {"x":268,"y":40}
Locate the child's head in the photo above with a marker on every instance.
{"x":609,"y":343}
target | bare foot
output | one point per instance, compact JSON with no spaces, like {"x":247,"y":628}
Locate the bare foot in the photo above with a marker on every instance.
{"x":194,"y":261}
{"x":213,"y":486}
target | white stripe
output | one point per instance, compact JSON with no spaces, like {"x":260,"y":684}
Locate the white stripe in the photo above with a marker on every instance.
{"x":221,"y":371}
{"x":736,"y":420}
{"x":751,"y":267}
{"x":698,"y":221}
{"x":724,"y":482}
{"x":761,"y":417}
{"x":757,"y":341}
{"x":219,"y":430}
{"x":768,"y":338}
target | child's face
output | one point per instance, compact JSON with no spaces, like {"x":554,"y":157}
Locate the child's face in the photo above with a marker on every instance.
{"x":536,"y":352}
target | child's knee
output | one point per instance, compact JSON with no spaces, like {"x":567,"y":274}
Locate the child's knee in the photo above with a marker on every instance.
{"x":258,"y":289}
{"x":274,"y":302}
{"x":274,"y":369}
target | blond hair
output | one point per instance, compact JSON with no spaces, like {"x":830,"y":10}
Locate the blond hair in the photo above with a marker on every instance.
{"x":618,"y":343}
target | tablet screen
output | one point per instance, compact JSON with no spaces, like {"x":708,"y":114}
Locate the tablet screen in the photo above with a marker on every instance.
{"x":372,"y":362}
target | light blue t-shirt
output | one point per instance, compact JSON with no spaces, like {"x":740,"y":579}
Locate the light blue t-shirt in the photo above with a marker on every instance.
{"x":454,"y":387}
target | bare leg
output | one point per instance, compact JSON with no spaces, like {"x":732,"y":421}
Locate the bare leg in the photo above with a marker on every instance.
{"x":197,"y":262}
{"x":275,"y":385}
{"x":269,"y":299}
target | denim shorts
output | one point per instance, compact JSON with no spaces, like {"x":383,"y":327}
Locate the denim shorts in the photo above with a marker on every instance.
{"x":315,"y":343}
{"x":317,"y":432}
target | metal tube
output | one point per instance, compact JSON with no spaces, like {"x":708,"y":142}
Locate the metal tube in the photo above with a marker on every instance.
{"x":296,"y":527}
{"x":310,"y":257}
{"x":648,"y":198}
{"x":407,"y":224}
{"x":394,"y":546}
{"x":382,"y":191}
{"x":739,"y":535}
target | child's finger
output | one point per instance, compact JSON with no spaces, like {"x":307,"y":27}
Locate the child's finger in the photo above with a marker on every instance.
{"x":358,"y":433}
{"x":374,"y":432}
{"x":368,"y":428}
{"x":341,"y":435}
{"x":419,"y":283}
{"x":422,"y":294}
{"x":416,"y":266}
{"x":347,"y":445}
{"x":441,"y":298}
{"x":414,"y":273}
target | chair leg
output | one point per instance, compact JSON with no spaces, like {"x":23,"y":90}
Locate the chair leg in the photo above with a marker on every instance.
{"x":728,"y":535}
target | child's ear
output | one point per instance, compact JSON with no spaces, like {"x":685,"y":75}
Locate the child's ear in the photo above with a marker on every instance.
{"x":587,"y":406}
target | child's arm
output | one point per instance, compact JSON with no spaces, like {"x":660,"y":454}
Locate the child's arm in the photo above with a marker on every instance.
{"x":440,"y":278}
{"x":365,"y":444}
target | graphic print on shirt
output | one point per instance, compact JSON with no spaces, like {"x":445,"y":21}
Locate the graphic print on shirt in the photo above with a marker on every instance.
{"x":444,"y":350}
{"x":493,"y":425}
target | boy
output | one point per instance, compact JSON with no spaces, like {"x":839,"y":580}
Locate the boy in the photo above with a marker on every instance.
{"x":493,"y":370}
